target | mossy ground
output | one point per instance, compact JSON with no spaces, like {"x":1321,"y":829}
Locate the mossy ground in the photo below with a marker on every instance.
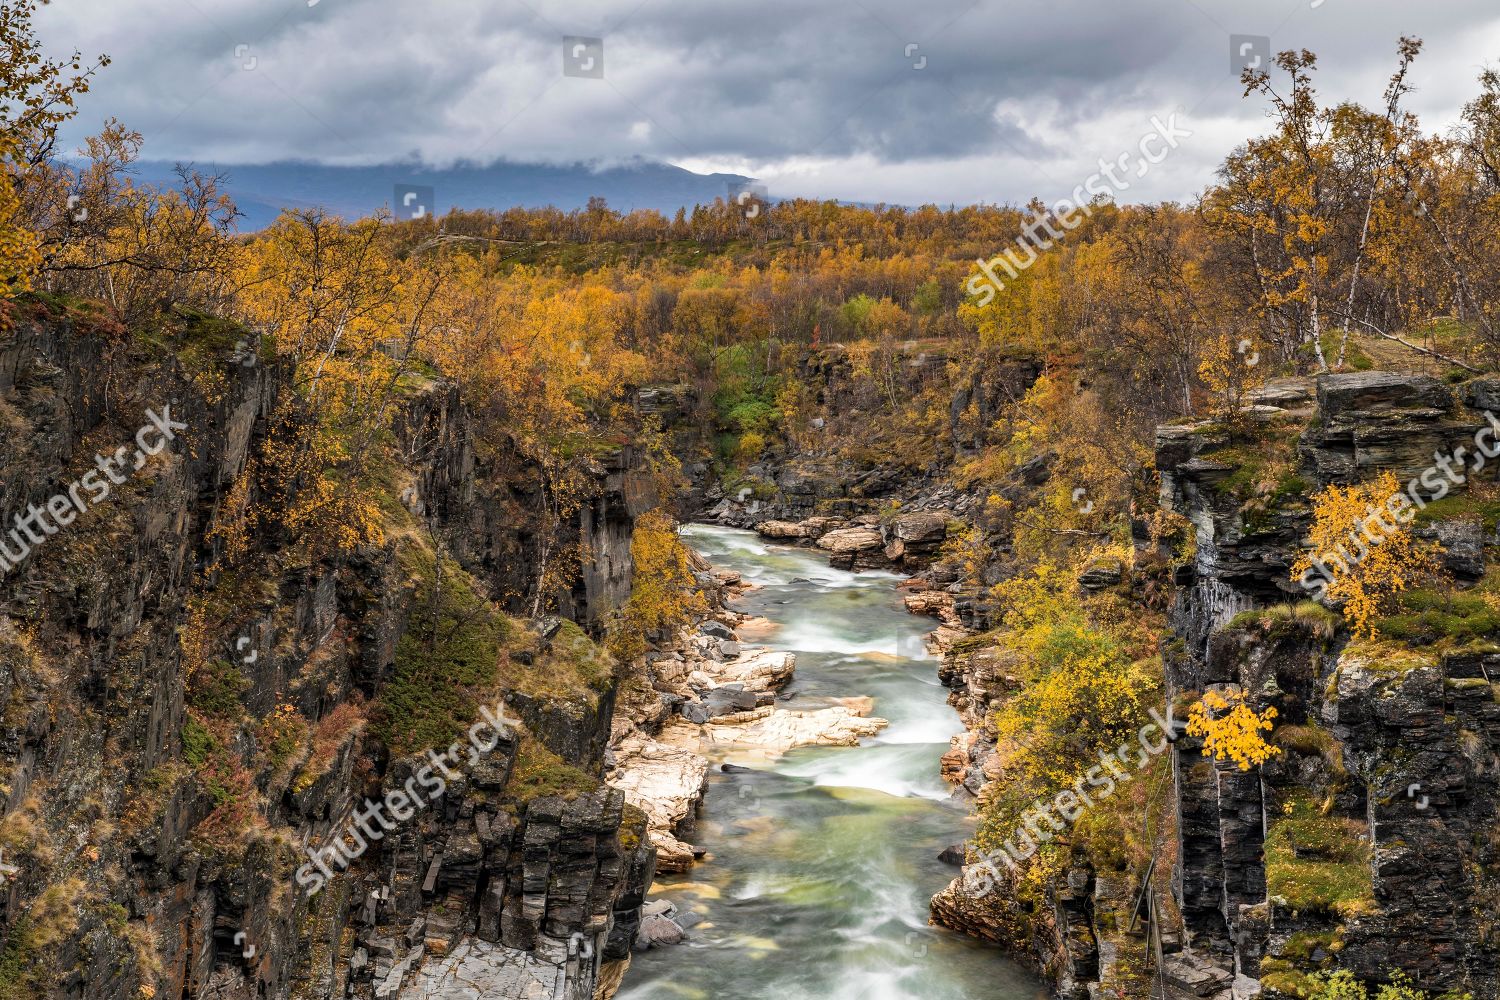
{"x":1319,"y":863}
{"x":1304,"y":617}
{"x":539,"y":772}
{"x":1430,"y":616}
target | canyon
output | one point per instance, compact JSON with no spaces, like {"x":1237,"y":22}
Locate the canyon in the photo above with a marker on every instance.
{"x":552,"y":860}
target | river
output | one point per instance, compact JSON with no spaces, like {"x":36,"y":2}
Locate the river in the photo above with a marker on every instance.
{"x":822,"y":862}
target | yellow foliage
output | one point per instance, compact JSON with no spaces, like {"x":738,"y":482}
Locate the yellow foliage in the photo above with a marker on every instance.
{"x":1231,"y":729}
{"x":1231,"y":370}
{"x":663,"y":595}
{"x":1369,"y":551}
{"x":20,"y":247}
{"x":1085,"y":686}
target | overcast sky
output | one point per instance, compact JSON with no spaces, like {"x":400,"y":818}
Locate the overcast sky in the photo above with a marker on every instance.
{"x":906,"y":101}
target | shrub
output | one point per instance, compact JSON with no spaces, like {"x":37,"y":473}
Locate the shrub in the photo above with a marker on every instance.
{"x":1231,"y":729}
{"x":1367,"y":585}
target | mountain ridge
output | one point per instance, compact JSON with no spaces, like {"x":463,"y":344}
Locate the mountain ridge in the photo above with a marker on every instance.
{"x":261,"y":191}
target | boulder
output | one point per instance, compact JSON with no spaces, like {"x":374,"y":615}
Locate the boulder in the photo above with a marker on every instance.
{"x":919,"y":528}
{"x":780,"y":529}
{"x":658,"y":931}
{"x":716,"y":629}
{"x":848,"y":541}
{"x":1284,"y":393}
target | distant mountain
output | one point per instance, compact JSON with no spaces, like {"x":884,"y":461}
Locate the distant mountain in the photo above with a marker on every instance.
{"x":262,"y":191}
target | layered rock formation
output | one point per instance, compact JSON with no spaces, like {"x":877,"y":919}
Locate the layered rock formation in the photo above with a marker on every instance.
{"x":136,"y":875}
{"x":1371,"y":842}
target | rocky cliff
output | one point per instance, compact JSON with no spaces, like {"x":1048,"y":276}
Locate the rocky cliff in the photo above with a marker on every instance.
{"x":1371,"y":841}
{"x":167,"y":811}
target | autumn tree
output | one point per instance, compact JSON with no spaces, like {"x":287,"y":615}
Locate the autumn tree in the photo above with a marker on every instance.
{"x":1231,"y":729}
{"x":1272,"y":203}
{"x":1363,"y":554}
{"x":1231,"y":371}
{"x":664,"y":594}
{"x":37,"y":95}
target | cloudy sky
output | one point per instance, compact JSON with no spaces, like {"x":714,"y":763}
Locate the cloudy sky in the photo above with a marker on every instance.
{"x":905,"y":101}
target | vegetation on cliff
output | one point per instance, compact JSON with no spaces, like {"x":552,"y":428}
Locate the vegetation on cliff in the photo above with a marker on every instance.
{"x":809,"y":333}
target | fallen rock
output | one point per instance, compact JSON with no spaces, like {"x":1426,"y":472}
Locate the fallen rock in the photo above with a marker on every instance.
{"x":759,"y":670}
{"x":716,"y":629}
{"x":658,"y":931}
{"x":1195,"y":976}
{"x":847,"y":541}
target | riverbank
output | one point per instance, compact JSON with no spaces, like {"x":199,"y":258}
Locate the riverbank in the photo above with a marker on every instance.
{"x":819,"y":862}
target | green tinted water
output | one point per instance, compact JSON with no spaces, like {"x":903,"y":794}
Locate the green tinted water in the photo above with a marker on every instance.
{"x":822,"y":864}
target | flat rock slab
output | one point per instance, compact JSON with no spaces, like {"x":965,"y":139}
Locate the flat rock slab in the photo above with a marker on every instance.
{"x":478,"y":970}
{"x":849,"y":540}
{"x":782,"y":730}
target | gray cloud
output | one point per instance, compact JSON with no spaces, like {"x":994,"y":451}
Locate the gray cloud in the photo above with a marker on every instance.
{"x":937,"y":100}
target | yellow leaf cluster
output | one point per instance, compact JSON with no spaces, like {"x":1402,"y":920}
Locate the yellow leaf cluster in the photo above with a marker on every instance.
{"x":1231,"y":730}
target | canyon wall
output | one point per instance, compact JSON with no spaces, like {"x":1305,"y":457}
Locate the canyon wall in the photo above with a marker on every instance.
{"x":524,"y":868}
{"x":1371,"y":841}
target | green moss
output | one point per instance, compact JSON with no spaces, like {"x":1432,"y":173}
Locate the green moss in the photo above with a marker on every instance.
{"x":29,"y":957}
{"x":1355,"y":359}
{"x":1287,"y":981}
{"x":539,"y":773}
{"x":1460,"y":507}
{"x":1428,"y":615}
{"x":1302,"y":946}
{"x":1318,"y":863}
{"x":633,"y":828}
{"x":1387,"y":658}
{"x":974,"y":643}
{"x":1304,"y":617}
{"x":446,"y":660}
{"x":202,"y":341}
{"x":1311,"y":741}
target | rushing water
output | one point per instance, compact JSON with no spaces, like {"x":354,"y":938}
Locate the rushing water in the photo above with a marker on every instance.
{"x":822,"y":863}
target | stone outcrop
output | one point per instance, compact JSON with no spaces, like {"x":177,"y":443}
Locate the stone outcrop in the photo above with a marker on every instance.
{"x":1369,"y":842}
{"x":102,"y":750}
{"x":664,"y":780}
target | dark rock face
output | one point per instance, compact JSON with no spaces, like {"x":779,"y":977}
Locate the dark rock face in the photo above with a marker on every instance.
{"x":1407,"y":739}
{"x":1371,"y":842}
{"x":1370,"y":421}
{"x":484,"y":510}
{"x":93,"y":674}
